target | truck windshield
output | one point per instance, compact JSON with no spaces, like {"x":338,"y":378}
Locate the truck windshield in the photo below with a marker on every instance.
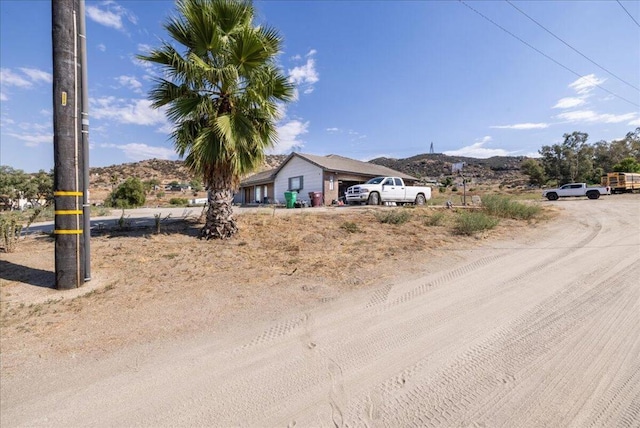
{"x":376,"y":180}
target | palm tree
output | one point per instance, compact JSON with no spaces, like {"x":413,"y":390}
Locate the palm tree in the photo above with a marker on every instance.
{"x":222,"y":90}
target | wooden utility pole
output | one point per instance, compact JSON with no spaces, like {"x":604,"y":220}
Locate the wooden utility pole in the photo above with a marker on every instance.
{"x":67,"y":149}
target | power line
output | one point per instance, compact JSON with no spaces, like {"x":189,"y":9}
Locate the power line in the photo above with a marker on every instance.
{"x":630,"y":16}
{"x":547,"y":56}
{"x":571,"y":47}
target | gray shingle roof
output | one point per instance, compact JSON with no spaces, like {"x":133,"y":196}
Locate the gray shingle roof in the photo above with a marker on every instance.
{"x":260,"y":178}
{"x":341,"y":164}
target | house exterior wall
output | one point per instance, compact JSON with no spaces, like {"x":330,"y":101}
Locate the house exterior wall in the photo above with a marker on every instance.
{"x":251,"y":194}
{"x":312,"y":178}
{"x":329,"y":194}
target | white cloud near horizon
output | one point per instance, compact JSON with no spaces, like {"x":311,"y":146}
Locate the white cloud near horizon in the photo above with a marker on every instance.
{"x":140,"y":151}
{"x":635,"y":122}
{"x":522,"y":126}
{"x":477,"y":150}
{"x":133,"y":111}
{"x":110,"y":14}
{"x":289,"y":134}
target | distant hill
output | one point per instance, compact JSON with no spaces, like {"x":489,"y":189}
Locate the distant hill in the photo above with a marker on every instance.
{"x":503,"y":169}
{"x":165,"y":171}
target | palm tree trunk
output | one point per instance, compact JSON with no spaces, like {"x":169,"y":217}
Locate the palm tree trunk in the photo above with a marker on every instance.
{"x":220,"y":222}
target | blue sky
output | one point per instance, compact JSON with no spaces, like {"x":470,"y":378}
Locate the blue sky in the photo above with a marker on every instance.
{"x":374,"y":78}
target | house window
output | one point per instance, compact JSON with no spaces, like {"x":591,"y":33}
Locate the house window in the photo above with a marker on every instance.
{"x":331,"y":182}
{"x":296,"y":183}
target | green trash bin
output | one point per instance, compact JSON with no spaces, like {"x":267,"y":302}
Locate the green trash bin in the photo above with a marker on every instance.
{"x":290,"y":197}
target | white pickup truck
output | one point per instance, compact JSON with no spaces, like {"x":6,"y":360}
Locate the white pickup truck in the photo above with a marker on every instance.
{"x":387,"y":189}
{"x":575,"y":189}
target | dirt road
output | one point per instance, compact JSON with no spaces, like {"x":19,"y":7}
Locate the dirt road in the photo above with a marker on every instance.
{"x":533,"y":332}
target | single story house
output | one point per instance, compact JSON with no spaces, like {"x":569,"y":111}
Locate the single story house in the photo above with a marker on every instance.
{"x":330,"y":175}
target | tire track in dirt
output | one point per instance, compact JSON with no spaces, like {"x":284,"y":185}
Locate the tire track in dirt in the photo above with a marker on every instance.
{"x":450,"y":394}
{"x":379,"y":296}
{"x":561,"y":368}
{"x":385,"y":341}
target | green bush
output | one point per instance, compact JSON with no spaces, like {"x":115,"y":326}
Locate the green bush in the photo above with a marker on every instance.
{"x":502,"y":206}
{"x":129,"y":194}
{"x":468,"y":223}
{"x":436,"y":219}
{"x":179,"y":201}
{"x":350,"y":227}
{"x":393,"y":217}
{"x":10,"y":228}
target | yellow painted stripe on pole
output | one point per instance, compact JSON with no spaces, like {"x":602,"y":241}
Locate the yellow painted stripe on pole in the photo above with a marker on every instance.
{"x":68,"y":232}
{"x":66,"y":193}
{"x":67,"y":212}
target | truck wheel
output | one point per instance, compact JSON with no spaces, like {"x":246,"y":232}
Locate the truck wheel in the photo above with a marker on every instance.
{"x":374,"y":199}
{"x":420,"y":199}
{"x":552,"y":196}
{"x":593,"y":194}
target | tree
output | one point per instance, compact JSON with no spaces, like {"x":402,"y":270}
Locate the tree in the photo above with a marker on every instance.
{"x":196,"y":185}
{"x":571,"y":161}
{"x":128,"y":194}
{"x":627,"y":165}
{"x":222,"y":91}
{"x":535,"y":171}
{"x":43,"y":182}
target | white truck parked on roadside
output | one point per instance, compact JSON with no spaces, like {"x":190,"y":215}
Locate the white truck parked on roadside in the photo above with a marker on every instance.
{"x":379,"y":190}
{"x":574,"y":190}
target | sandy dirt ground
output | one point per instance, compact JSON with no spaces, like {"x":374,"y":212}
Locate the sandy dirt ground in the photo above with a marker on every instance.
{"x":540,"y":329}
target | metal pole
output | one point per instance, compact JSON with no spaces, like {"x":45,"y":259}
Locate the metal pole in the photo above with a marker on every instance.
{"x":86,"y":206}
{"x":66,"y":186}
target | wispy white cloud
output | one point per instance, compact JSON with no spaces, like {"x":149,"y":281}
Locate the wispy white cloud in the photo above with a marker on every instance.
{"x":569,"y":102}
{"x":305,"y":76}
{"x":3,"y":97}
{"x":101,"y":47}
{"x":110,"y":14}
{"x":635,"y":122}
{"x":9,"y":78}
{"x":25,"y":79}
{"x":594,"y":117}
{"x":37,"y":75}
{"x":583,"y":88}
{"x":144,"y":48}
{"x":289,"y":136}
{"x":522,"y":126}
{"x":140,"y":151}
{"x":586,"y":84}
{"x":33,"y":139}
{"x":5,"y":121}
{"x":130,"y":82}
{"x":135,"y":111}
{"x":477,"y":150}
{"x":332,"y":130}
